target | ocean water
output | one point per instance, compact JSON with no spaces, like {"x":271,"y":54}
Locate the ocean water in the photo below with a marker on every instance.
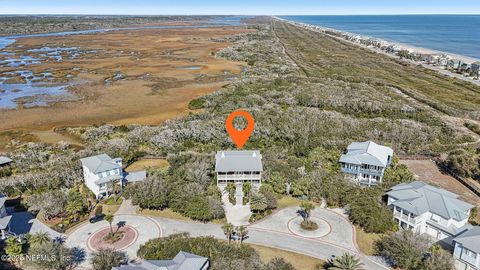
{"x":457,"y":34}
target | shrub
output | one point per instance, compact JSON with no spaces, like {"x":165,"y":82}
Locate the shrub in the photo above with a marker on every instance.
{"x":196,"y":104}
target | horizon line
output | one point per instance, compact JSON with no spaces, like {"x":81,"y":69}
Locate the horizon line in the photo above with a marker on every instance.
{"x":269,"y":15}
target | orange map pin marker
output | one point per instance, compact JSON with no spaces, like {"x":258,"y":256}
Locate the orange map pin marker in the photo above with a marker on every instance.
{"x":240,"y":137}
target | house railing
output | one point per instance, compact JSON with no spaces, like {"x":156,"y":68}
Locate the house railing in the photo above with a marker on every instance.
{"x":404,"y":217}
{"x":238,"y":176}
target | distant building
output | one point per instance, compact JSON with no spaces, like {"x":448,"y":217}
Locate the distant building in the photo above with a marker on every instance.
{"x":101,"y":170}
{"x":454,"y":64}
{"x":475,"y":69}
{"x":4,"y":218}
{"x":5,"y":160}
{"x":365,"y":162}
{"x":429,"y":210}
{"x":467,"y":249}
{"x":182,"y":261}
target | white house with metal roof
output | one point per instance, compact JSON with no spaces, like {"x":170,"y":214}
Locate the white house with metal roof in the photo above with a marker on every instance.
{"x":365,"y":162}
{"x":238,"y":167}
{"x":100,"y":170}
{"x":182,"y":261}
{"x":429,"y":210}
{"x":467,"y":250}
{"x":4,"y":218}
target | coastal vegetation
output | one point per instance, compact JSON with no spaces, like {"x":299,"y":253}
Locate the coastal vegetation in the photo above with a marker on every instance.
{"x":222,"y":256}
{"x":311,"y":95}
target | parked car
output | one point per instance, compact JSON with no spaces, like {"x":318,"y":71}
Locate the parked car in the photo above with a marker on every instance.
{"x":96,"y":218}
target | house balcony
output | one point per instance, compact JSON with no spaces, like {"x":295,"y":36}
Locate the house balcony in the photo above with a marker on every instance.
{"x":239,"y":176}
{"x":361,"y":171}
{"x":404,"y":217}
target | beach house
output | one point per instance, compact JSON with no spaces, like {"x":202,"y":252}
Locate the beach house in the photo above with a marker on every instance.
{"x":4,"y":218}
{"x":100,"y":171}
{"x":475,"y":69}
{"x":238,"y":167}
{"x":429,"y":210}
{"x":365,"y":162}
{"x":182,"y":261}
{"x":467,"y":250}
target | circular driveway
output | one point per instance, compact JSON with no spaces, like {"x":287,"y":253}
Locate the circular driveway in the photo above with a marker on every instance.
{"x":145,"y":227}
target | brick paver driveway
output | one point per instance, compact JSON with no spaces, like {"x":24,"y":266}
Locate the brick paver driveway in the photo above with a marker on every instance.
{"x":146,"y":227}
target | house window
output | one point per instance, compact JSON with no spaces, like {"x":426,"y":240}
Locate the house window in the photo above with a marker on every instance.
{"x":435,"y":218}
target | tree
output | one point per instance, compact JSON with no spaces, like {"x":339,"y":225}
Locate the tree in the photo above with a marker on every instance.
{"x":13,"y":247}
{"x":247,"y":188}
{"x":258,"y":202}
{"x":109,"y":219}
{"x":59,"y":257}
{"x":346,"y":262}
{"x":242,"y":233}
{"x":73,"y":208}
{"x":404,"y":249}
{"x":106,"y":259}
{"x":149,"y":194}
{"x":198,"y":208}
{"x":306,"y":208}
{"x":231,"y":191}
{"x":279,"y":264}
{"x":438,"y":259}
{"x":228,"y":231}
{"x":39,"y":238}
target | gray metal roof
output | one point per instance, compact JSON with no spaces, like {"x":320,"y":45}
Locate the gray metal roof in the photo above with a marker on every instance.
{"x":470,"y":239}
{"x":238,"y":161}
{"x":418,"y":198}
{"x":100,"y":163}
{"x":5,"y":160}
{"x":136,"y":176}
{"x":182,"y":261}
{"x":367,"y":153}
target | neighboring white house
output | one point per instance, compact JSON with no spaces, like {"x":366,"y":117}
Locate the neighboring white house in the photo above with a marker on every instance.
{"x":4,"y":218}
{"x":467,"y":249}
{"x":429,"y":210}
{"x":238,"y":167}
{"x":365,"y":162}
{"x":100,"y":170}
{"x":182,"y":261}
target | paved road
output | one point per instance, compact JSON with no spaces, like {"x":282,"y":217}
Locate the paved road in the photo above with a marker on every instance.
{"x":273,"y":232}
{"x":277,"y":236}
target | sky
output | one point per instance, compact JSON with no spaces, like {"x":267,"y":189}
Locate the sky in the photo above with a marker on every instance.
{"x":241,"y":7}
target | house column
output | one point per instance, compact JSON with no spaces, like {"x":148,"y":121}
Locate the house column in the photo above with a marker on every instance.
{"x":3,"y":234}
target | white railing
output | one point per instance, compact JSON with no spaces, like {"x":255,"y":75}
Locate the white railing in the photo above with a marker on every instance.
{"x":239,"y":177}
{"x":404,"y":217}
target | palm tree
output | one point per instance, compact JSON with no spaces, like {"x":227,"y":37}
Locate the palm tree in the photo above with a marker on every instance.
{"x":73,"y":208}
{"x":242,"y":232}
{"x":346,"y":262}
{"x":39,"y":239}
{"x":109,"y":219}
{"x":247,"y":187}
{"x":307,"y":207}
{"x":228,"y":230}
{"x":258,"y":202}
{"x":231,"y":191}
